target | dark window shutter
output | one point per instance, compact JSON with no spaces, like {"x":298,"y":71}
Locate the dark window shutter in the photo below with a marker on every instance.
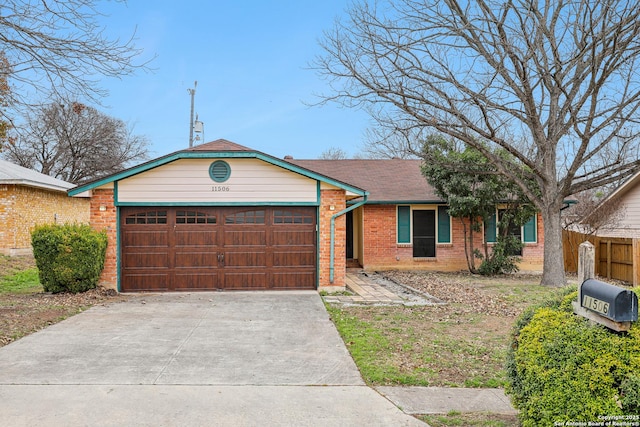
{"x":490,"y":229}
{"x":444,"y":225}
{"x":404,"y":224}
{"x":530,"y":231}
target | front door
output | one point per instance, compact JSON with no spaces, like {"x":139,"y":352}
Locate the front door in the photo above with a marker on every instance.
{"x":424,"y":234}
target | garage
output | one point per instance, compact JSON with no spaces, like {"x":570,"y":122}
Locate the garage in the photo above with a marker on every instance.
{"x":217,"y":248}
{"x":220,"y":216}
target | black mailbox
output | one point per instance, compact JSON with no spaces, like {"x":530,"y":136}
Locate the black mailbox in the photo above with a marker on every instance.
{"x":612,"y":302}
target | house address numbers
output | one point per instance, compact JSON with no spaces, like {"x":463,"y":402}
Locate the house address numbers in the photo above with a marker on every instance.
{"x":220,"y":188}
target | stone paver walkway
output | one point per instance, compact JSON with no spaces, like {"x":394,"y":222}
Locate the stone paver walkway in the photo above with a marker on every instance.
{"x":365,"y":292}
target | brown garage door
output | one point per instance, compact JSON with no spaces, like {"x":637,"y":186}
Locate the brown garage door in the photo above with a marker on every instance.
{"x":207,"y":248}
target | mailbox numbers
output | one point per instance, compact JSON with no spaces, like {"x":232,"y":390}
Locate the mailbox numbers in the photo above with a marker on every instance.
{"x":595,"y":304}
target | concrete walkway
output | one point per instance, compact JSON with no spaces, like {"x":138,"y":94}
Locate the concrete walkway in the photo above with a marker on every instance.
{"x":201,"y":359}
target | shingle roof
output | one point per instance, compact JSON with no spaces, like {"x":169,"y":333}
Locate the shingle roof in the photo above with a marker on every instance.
{"x":387,"y":181}
{"x":219,"y":145}
{"x":13,"y":174}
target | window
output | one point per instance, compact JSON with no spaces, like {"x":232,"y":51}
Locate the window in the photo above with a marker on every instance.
{"x":194,"y":217}
{"x":248,"y":217}
{"x":528,"y":233}
{"x":404,"y":224}
{"x":291,"y":217}
{"x":151,"y":217}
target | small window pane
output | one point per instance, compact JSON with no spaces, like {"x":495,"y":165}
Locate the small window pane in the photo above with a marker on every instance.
{"x":151,"y":217}
{"x":291,"y":217}
{"x":194,"y":217}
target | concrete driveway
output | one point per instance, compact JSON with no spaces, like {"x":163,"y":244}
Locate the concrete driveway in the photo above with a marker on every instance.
{"x":200,"y":359}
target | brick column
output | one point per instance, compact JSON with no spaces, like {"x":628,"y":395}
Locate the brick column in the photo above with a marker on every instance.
{"x":332,"y":202}
{"x":103,"y":217}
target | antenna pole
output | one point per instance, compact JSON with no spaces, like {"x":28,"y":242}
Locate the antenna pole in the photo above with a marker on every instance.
{"x":192,"y":92}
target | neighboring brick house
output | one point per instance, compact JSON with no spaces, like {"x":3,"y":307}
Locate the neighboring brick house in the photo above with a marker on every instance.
{"x":221,"y":216}
{"x":29,"y":198}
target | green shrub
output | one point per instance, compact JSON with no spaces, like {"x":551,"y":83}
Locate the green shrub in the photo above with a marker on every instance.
{"x":69,"y":257}
{"x":561,"y":367}
{"x":501,"y":260}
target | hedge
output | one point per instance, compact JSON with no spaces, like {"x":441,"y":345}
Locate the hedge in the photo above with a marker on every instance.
{"x":70,"y":257}
{"x":564,"y":369}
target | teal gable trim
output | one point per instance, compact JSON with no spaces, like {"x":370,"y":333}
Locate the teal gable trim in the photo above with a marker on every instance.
{"x":490,"y":229}
{"x":215,"y":155}
{"x":404,"y":224}
{"x":529,"y":231}
{"x":444,"y":225}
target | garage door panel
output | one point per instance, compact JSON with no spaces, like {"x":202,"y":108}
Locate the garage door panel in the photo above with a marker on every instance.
{"x":196,"y":281}
{"x":294,"y":280}
{"x":146,"y":239}
{"x":147,"y":282}
{"x":146,"y":260}
{"x":192,"y":259}
{"x":296,"y":259}
{"x":245,"y":281}
{"x":245,"y":259}
{"x":196,"y":238}
{"x":248,"y":237}
{"x":293,"y":238}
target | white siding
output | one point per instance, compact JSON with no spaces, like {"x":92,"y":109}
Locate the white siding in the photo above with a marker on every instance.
{"x":188,"y":181}
{"x":626,"y":221}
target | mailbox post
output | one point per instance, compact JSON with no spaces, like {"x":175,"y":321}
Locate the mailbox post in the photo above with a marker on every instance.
{"x":609,"y":305}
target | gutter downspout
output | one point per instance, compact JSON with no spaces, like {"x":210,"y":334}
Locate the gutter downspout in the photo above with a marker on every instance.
{"x":333,"y":233}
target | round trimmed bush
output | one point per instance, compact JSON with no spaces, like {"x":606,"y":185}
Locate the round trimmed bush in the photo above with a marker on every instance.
{"x":69,"y":257}
{"x":562,"y":367}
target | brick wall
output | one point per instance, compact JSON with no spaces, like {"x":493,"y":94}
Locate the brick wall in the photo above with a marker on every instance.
{"x":104,"y":217}
{"x":22,"y":208}
{"x":533,"y":253}
{"x":381,"y":252}
{"x":332,"y":202}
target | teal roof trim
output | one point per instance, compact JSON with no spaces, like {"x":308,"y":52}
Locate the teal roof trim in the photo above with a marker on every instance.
{"x":214,"y":155}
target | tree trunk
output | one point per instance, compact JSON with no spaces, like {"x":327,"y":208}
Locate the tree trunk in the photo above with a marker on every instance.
{"x":553,"y":274}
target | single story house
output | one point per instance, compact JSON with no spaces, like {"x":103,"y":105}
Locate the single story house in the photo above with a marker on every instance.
{"x":29,"y":198}
{"x":618,"y":215}
{"x":223,"y":216}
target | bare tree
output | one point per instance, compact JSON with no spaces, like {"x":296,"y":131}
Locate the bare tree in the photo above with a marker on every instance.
{"x":556,"y":83}
{"x":593,"y":212}
{"x":59,"y":47}
{"x":76,"y":143}
{"x":4,"y":94}
{"x":333,"y":153}
{"x":381,"y":144}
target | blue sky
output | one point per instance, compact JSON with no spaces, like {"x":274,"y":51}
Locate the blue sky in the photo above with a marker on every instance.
{"x":250,"y":59}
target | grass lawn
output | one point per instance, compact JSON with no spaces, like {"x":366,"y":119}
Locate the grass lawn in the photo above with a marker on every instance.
{"x":460,"y":344}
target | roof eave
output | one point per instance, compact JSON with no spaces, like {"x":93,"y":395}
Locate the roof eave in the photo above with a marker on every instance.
{"x":34,"y":184}
{"x":214,"y":155}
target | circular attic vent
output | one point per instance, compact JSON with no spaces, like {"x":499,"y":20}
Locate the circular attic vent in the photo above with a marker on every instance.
{"x":219,"y":171}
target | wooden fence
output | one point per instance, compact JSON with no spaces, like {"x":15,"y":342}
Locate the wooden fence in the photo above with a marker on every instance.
{"x":616,"y":258}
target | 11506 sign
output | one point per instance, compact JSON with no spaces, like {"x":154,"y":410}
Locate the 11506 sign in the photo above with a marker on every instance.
{"x":595,"y":304}
{"x":220,"y":188}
